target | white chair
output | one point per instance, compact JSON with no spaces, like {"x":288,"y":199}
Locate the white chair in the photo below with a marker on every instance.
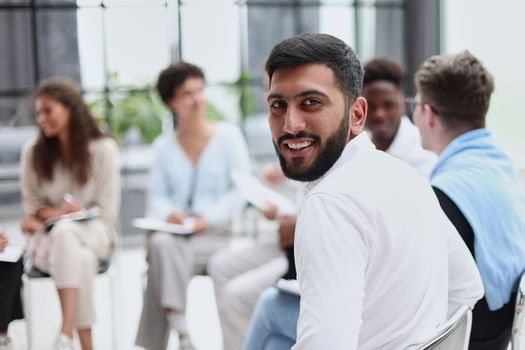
{"x":453,"y":335}
{"x":517,"y":324}
{"x":32,"y":273}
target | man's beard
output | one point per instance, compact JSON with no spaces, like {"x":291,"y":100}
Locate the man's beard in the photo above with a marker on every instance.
{"x":326,"y":157}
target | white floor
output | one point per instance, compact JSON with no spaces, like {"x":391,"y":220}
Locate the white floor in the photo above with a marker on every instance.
{"x":129,"y":268}
{"x":128,"y":281}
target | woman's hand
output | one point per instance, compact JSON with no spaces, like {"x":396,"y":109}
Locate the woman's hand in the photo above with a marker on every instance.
{"x":201,"y":224}
{"x":270,"y":211}
{"x":273,"y":175}
{"x":71,"y":207}
{"x":30,"y":225}
{"x":176,"y":217}
{"x":4,"y":241}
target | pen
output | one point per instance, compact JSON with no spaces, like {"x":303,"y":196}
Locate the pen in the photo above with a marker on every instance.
{"x":68,"y":198}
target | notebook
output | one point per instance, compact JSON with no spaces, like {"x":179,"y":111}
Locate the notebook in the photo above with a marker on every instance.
{"x":11,"y":254}
{"x":259,"y":195}
{"x":76,"y":216}
{"x":288,"y":286}
{"x":152,"y":224}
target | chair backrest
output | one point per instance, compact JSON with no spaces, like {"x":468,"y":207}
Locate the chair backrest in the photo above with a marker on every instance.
{"x":517,"y":324}
{"x":453,"y":335}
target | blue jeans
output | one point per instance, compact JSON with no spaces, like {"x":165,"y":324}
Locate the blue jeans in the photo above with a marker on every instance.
{"x":274,"y":322}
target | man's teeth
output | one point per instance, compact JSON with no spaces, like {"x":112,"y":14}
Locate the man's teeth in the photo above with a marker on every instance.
{"x":299,"y":145}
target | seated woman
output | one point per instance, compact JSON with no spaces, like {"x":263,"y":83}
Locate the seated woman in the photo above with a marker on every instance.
{"x":190,"y":179}
{"x":70,"y":166}
{"x":10,"y":301}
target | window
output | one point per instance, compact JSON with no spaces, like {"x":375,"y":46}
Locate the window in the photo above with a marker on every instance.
{"x":121,"y":45}
{"x":501,"y":54}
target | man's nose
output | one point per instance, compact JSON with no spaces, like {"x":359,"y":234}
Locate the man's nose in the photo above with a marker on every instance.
{"x":379,"y":113}
{"x":294,"y":121}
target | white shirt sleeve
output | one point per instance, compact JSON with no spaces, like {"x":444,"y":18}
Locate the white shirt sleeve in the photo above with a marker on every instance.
{"x":464,"y":281}
{"x":331,"y":248}
{"x":32,"y":198}
{"x":106,"y":176}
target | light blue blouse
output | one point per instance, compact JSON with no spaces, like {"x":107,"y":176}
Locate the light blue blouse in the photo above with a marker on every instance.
{"x":175,"y":181}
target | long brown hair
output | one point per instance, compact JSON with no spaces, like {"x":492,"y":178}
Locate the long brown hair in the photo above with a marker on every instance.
{"x":82,"y":129}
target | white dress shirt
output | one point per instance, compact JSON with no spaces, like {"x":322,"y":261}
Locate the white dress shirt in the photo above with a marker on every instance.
{"x":378,"y":262}
{"x":407,"y":147}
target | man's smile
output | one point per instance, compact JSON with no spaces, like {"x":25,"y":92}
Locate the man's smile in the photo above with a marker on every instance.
{"x":298,"y":147}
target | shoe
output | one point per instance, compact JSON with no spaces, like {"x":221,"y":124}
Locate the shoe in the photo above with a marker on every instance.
{"x":185,"y":342}
{"x":6,"y":344}
{"x":64,"y":342}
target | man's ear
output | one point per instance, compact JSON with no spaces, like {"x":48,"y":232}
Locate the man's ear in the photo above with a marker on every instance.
{"x":357,"y":116}
{"x":431,"y":118}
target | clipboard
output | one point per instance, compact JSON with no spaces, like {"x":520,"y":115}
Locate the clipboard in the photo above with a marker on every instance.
{"x":151,"y":224}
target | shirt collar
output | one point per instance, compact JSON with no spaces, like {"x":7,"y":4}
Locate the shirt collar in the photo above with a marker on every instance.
{"x":404,"y":139}
{"x":358,"y":144}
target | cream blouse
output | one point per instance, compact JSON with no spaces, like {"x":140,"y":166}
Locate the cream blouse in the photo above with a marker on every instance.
{"x":102,"y":188}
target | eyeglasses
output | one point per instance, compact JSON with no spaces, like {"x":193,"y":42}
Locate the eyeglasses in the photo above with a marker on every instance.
{"x":412,"y":103}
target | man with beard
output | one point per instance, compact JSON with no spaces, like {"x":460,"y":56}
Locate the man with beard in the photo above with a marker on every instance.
{"x":241,"y":275}
{"x":379,"y":265}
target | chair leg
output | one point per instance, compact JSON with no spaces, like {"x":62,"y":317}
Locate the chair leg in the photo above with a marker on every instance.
{"x":28,"y":310}
{"x":114,"y":335}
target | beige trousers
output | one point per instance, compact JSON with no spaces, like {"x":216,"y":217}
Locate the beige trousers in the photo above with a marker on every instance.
{"x":173,"y":261}
{"x":73,"y":251}
{"x":240,"y":276}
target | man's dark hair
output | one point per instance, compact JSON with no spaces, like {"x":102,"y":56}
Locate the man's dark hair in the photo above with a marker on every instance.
{"x":458,"y":88}
{"x":384,"y":69}
{"x":320,"y":48}
{"x":174,"y":76}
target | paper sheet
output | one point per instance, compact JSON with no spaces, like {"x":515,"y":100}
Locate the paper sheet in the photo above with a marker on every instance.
{"x":11,"y":254}
{"x":76,"y":216}
{"x":152,"y":224}
{"x":260,"y":195}
{"x":288,"y":286}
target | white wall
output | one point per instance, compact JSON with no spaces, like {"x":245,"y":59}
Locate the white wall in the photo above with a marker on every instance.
{"x":493,"y":31}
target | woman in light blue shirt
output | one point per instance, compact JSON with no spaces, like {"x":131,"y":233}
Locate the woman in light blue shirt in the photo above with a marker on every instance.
{"x":190,"y":180}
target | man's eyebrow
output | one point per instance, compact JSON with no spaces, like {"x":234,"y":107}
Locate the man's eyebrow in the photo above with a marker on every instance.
{"x":274,"y":96}
{"x":301,"y":94}
{"x":312,"y":92}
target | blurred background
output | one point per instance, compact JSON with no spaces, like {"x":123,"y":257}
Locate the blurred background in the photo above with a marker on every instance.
{"x":116,"y":48}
